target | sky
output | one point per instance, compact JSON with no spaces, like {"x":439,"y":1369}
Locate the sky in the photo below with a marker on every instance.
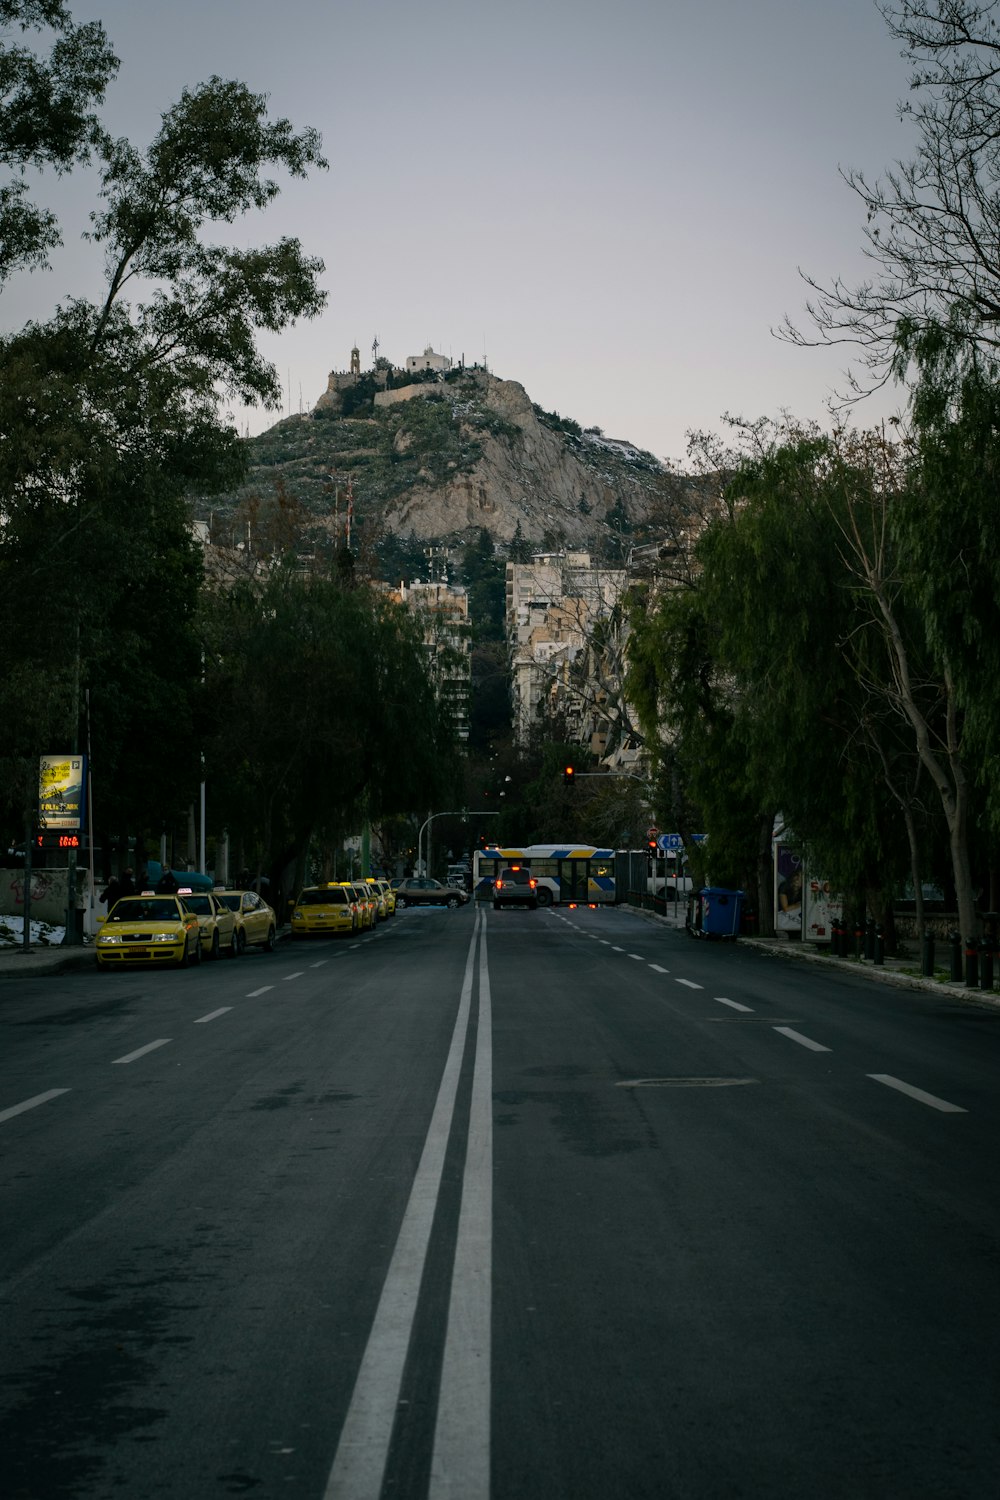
{"x":609,"y":203}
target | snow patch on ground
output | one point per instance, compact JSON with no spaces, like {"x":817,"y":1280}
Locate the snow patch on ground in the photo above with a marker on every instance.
{"x":43,"y":934}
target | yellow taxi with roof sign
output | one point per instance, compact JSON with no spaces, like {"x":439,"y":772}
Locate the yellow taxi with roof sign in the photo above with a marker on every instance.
{"x":148,"y":929}
{"x":376,"y":890}
{"x":365,"y":902}
{"x":325,"y":911}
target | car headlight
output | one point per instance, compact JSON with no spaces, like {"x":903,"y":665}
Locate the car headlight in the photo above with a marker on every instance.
{"x":298,"y":916}
{"x":109,"y":938}
{"x":168,"y":937}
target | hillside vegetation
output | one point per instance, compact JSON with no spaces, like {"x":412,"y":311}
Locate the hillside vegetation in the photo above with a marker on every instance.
{"x":450,"y":457}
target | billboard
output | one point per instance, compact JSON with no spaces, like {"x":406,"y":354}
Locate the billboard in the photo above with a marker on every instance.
{"x":61,"y":783}
{"x":788,"y":878}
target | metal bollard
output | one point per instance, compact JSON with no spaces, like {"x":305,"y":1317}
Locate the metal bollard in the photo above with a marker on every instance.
{"x":927,"y":955}
{"x":878,"y":953}
{"x":955,"y":939}
{"x":971,"y":964}
{"x":986,"y":964}
{"x":858,"y":933}
{"x":870,"y":938}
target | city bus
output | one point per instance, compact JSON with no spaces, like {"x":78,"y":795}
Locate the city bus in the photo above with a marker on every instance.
{"x":565,"y":873}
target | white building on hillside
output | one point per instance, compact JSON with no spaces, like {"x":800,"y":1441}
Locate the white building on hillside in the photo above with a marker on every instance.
{"x":427,"y":361}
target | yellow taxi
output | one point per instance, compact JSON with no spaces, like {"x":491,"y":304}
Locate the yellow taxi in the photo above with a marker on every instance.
{"x":365,"y":903}
{"x":148,"y":929}
{"x":217,"y":923}
{"x":375,"y":888}
{"x":256,"y":923}
{"x":324,"y":911}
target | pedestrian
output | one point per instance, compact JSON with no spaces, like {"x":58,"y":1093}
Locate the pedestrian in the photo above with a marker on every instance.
{"x":168,"y":884}
{"x":127,"y":882}
{"x":112,"y":891}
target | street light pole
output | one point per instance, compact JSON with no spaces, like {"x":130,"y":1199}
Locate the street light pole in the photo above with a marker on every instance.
{"x":462,"y":812}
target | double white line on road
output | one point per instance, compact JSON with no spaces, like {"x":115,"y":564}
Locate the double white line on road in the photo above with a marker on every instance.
{"x":460,"y":1468}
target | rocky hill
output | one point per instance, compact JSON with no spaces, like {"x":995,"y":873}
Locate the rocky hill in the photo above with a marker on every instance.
{"x":436,"y":460}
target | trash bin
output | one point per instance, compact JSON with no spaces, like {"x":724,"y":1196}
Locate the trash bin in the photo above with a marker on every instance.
{"x":716,"y":912}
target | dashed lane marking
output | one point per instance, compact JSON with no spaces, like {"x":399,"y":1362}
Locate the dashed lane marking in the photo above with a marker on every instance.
{"x":212,"y":1015}
{"x":803,"y":1041}
{"x":33,"y":1103}
{"x":735,"y":1004}
{"x":659,"y":969}
{"x":690,"y":984}
{"x":141,"y":1051}
{"x":297,"y":975}
{"x":923,"y":1098}
{"x":262,"y":991}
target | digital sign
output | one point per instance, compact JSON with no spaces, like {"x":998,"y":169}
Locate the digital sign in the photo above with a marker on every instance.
{"x":58,"y":841}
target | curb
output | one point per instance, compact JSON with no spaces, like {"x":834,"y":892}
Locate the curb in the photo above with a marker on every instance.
{"x":798,"y":952}
{"x":41,"y":963}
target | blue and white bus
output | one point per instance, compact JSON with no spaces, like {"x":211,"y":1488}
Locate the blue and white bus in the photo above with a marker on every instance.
{"x":566,"y":873}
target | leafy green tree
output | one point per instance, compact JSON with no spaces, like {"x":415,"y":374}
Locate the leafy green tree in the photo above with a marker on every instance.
{"x":764,"y":673}
{"x":323,"y":713}
{"x":46,"y":119}
{"x":110,"y":411}
{"x":484,"y":576}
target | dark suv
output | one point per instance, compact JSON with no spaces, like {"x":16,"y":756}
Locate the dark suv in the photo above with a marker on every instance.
{"x":515,"y":886}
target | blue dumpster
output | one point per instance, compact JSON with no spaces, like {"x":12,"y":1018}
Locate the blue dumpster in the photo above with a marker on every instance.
{"x":714,"y":912}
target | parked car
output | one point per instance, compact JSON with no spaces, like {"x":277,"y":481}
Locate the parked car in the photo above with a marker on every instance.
{"x":218,"y":923}
{"x":376,"y":888}
{"x":390,"y":896}
{"x":422,"y":891}
{"x":148,"y":929}
{"x":255,"y":921}
{"x":515,"y":886}
{"x":322,"y":910}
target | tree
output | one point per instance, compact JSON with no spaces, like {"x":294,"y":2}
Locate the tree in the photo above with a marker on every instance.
{"x":323,"y":712}
{"x":932,"y":222}
{"x":483,"y":574}
{"x":761,"y":673}
{"x":110,"y":411}
{"x":46,"y":119}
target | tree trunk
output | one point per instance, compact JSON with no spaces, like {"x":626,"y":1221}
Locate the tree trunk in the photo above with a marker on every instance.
{"x":765,"y":875}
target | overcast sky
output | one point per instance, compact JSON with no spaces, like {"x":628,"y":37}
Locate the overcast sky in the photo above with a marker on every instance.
{"x":610,"y":202}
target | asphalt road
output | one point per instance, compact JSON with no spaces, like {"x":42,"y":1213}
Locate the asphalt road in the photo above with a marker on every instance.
{"x":553,"y":1205}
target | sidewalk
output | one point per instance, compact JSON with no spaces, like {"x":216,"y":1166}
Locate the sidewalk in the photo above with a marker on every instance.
{"x":900,"y":972}
{"x":39,"y":960}
{"x":55,"y":959}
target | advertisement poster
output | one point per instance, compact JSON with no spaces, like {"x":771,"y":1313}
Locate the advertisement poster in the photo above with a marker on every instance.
{"x":788,"y":881}
{"x":61,"y":781}
{"x":821,"y":908}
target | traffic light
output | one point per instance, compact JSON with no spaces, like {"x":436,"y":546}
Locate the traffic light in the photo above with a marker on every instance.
{"x":568,"y":775}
